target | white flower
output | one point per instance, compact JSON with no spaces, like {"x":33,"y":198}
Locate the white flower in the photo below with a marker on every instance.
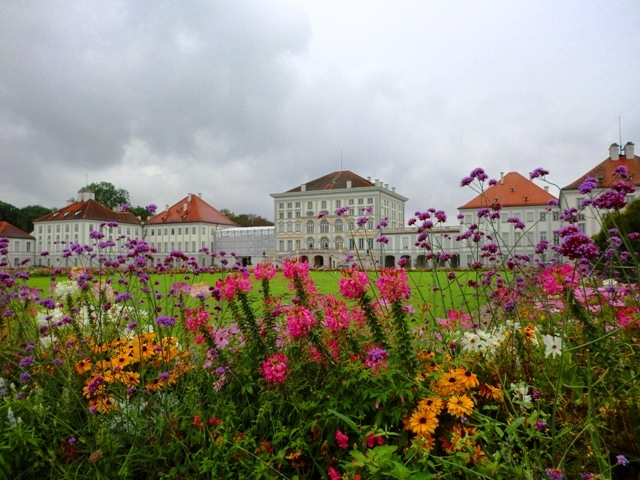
{"x":521,"y":392}
{"x":553,"y":345}
{"x":472,"y":342}
{"x":65,"y":289}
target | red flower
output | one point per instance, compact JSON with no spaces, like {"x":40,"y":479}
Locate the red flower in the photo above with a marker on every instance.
{"x":342,"y":439}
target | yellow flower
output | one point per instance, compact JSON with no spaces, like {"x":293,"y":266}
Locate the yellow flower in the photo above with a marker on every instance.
{"x":460,"y":406}
{"x":466,"y":377}
{"x":431,"y":404}
{"x":489,"y":391}
{"x":423,"y":422}
{"x":449,"y":384}
{"x":83,"y":366}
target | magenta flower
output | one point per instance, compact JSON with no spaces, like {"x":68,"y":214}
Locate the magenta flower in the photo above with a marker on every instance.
{"x":264,"y":271}
{"x":299,"y":322}
{"x":353,"y":284}
{"x":393,"y":285}
{"x":538,"y":172}
{"x":342,"y":439}
{"x":233,"y":284}
{"x":275,"y":369}
{"x":554,"y":473}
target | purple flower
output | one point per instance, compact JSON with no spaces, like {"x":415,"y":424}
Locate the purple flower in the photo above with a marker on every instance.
{"x":538,"y":172}
{"x":24,"y":377}
{"x":362,"y":221}
{"x":540,"y":425}
{"x":151,"y":208}
{"x":341,"y":211}
{"x":588,"y":185}
{"x":621,"y":171}
{"x":123,"y":297}
{"x":554,"y":473}
{"x":26,"y":362}
{"x":165,"y":321}
{"x":622,"y":460}
{"x":382,"y":239}
{"x":96,"y":235}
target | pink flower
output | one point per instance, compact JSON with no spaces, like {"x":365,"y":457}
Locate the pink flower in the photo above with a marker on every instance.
{"x":275,"y":369}
{"x":354,"y":283}
{"x":195,"y":318}
{"x":299,"y":321}
{"x":393,"y":285}
{"x":342,"y":439}
{"x":373,"y":440}
{"x":233,"y":284}
{"x":333,"y":474}
{"x":264,"y":271}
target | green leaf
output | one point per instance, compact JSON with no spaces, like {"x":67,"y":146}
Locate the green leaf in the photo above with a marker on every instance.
{"x":345,"y":419}
{"x":513,"y":426}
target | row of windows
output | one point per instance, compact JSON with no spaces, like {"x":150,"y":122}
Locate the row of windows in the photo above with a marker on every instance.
{"x":324,"y":204}
{"x":152,"y":231}
{"x":76,"y":228}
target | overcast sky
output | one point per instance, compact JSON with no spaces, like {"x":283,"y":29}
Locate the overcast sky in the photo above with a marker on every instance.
{"x":240,"y":99}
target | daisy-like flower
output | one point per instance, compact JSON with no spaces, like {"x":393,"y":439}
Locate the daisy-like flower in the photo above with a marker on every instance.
{"x":553,"y":345}
{"x":431,"y":404}
{"x":471,"y":342}
{"x":466,"y":377}
{"x":422,"y":422}
{"x":460,"y":406}
{"x":449,"y":384}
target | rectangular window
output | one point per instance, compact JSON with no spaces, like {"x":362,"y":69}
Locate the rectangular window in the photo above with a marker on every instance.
{"x":556,"y":216}
{"x":289,"y":245}
{"x":543,"y":236}
{"x":193,"y":230}
{"x":193,"y":246}
{"x":281,"y":205}
{"x":530,"y":216}
{"x":351,"y":201}
{"x":370,"y":201}
{"x":352,"y":244}
{"x":179,"y":231}
{"x":361,"y":243}
{"x":281,"y":245}
{"x":338,"y":203}
{"x":323,"y":204}
{"x":543,"y":216}
{"x":361,"y":201}
{"x":309,"y":205}
{"x":288,"y":204}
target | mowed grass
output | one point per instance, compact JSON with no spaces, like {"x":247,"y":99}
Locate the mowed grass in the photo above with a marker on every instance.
{"x":431,"y":291}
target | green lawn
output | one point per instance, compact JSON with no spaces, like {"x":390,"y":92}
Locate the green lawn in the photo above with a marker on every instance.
{"x":427,"y":287}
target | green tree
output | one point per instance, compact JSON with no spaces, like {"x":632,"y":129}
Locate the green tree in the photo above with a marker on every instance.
{"x":247,"y":219}
{"x":29,"y":214}
{"x":108,"y":195}
{"x":625,"y":222}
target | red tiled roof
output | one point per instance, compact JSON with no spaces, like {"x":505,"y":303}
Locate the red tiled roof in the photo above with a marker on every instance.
{"x":89,"y":210}
{"x":513,"y":190}
{"x":192,"y":209}
{"x":604,"y":172}
{"x":335,"y":180}
{"x":9,"y":231}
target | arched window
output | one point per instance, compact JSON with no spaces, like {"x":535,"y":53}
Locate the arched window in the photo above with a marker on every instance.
{"x":324,"y":243}
{"x":339,"y":243}
{"x":310,"y":227}
{"x":324,"y":226}
{"x":310,"y":241}
{"x":338,"y":225}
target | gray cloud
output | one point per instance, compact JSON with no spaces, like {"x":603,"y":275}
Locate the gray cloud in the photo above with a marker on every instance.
{"x":240,"y":99}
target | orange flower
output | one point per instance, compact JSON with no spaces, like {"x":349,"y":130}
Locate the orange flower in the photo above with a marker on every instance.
{"x":448,"y":384}
{"x":460,"y":406}
{"x":489,"y":391}
{"x":423,"y":422}
{"x":128,"y":379}
{"x":102,"y":404}
{"x":466,"y":377}
{"x":83,"y":366}
{"x":431,"y":404}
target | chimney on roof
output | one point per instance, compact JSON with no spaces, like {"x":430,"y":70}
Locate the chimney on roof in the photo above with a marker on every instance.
{"x":614,"y":151}
{"x":303,"y":187}
{"x":200,"y":195}
{"x":188,"y":198}
{"x":393,"y":189}
{"x":184,"y":207}
{"x":369,"y":179}
{"x":166,"y":207}
{"x":546,"y":188}
{"x":377,"y":182}
{"x":86,"y":195}
{"x":348,"y":183}
{"x":628,"y":151}
{"x":386,"y":185}
{"x":501,"y":178}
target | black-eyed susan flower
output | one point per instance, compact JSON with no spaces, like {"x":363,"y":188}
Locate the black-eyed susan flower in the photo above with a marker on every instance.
{"x":422,"y":422}
{"x":460,"y":406}
{"x":466,"y":378}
